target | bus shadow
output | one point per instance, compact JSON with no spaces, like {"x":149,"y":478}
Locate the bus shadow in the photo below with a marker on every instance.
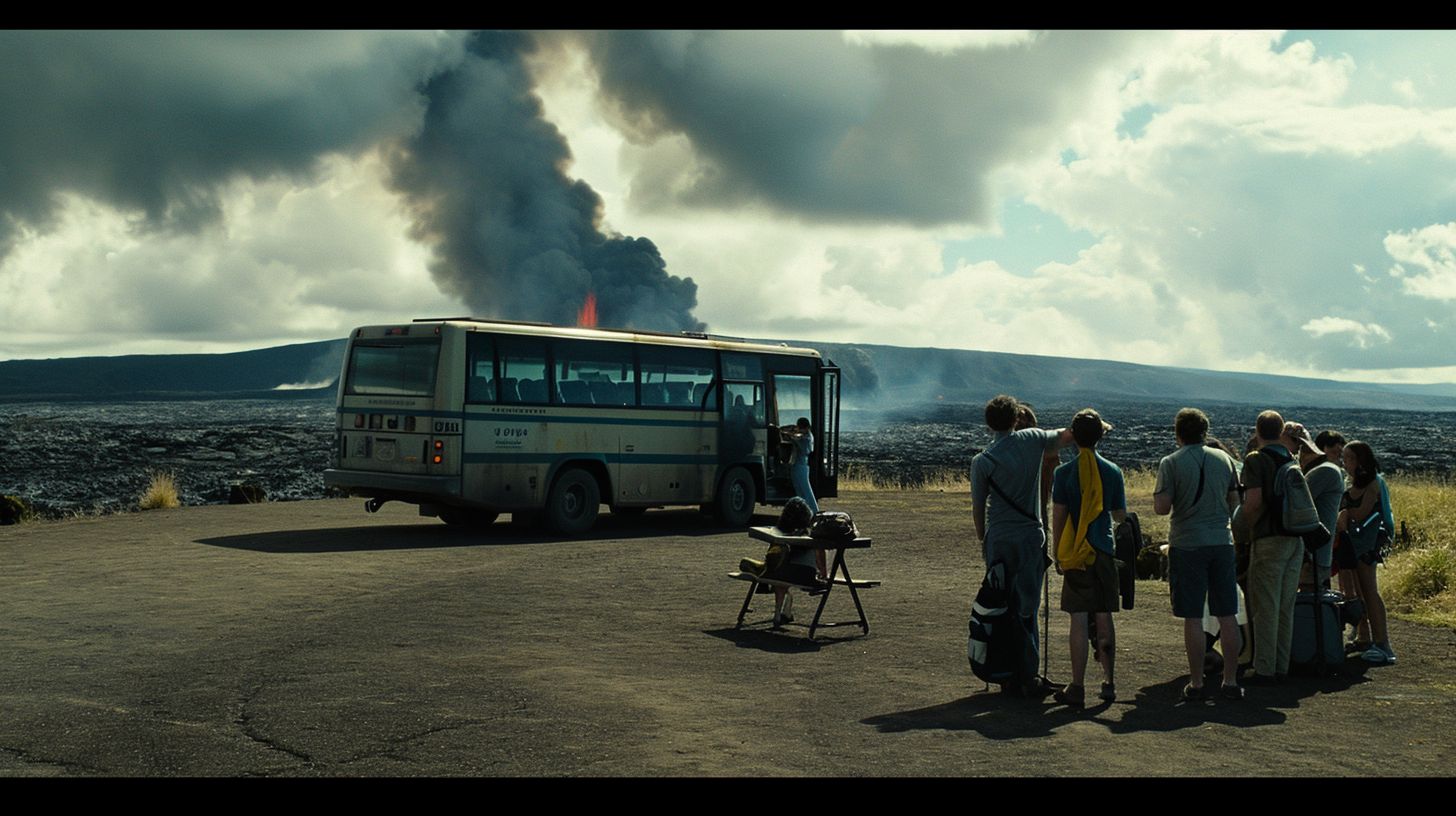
{"x":434,"y":534}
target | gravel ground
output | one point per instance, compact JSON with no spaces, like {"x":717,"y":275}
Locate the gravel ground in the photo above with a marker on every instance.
{"x":308,"y":639}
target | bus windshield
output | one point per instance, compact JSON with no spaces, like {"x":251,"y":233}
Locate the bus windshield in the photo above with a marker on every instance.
{"x":396,"y":367}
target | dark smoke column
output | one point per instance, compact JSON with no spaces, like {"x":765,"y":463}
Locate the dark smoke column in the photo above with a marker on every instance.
{"x":514,"y":237}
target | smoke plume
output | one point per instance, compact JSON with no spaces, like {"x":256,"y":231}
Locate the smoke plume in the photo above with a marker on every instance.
{"x":514,"y":236}
{"x":155,"y":124}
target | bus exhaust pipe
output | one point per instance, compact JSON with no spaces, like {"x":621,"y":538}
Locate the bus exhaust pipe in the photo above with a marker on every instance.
{"x":373,"y":505}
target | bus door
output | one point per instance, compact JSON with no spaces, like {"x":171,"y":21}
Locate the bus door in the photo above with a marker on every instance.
{"x":792,"y":398}
{"x":741,"y":438}
{"x":745,"y":416}
{"x":825,"y":474}
{"x":795,"y":396}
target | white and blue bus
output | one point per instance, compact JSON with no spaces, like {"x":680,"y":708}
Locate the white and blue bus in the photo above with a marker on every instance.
{"x":470,"y":419}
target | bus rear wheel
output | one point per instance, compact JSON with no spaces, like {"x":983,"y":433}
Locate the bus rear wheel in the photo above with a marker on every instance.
{"x":574,"y":502}
{"x":736,"y":498}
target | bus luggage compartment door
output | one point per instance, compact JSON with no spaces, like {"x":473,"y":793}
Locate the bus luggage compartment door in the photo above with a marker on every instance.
{"x":505,"y":462}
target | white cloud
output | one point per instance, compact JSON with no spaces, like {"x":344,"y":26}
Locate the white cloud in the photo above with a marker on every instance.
{"x":1432,"y":249}
{"x":1362,"y":335}
{"x":286,"y":264}
{"x":942,"y":41}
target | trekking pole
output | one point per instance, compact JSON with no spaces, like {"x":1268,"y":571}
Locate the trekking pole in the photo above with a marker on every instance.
{"x":1046,"y":606}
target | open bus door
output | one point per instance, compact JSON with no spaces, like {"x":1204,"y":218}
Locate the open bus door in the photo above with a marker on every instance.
{"x":825,"y":475}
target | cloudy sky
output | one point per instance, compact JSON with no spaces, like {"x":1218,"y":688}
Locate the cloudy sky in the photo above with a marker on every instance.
{"x":1277,"y":201}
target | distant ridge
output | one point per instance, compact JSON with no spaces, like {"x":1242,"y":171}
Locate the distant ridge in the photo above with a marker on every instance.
{"x":873,"y":375}
{"x":876,"y":374}
{"x":242,"y":374}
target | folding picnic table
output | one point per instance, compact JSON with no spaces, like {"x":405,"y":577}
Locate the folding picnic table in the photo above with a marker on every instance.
{"x":773,"y":535}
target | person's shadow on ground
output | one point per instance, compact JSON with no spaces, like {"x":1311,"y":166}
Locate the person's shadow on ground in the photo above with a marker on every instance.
{"x":1156,"y":707}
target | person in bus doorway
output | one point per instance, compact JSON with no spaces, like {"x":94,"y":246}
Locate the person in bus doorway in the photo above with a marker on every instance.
{"x":803,"y":442}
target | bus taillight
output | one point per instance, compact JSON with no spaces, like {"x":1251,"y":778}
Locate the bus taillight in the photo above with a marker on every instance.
{"x":439,"y":452}
{"x":358,"y":420}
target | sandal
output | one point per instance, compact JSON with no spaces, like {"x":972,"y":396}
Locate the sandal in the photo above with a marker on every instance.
{"x":1072,"y":696}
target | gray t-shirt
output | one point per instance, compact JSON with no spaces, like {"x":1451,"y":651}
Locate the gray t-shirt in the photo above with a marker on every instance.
{"x":1205,"y":523}
{"x":1013,"y":459}
{"x":1326,"y":484}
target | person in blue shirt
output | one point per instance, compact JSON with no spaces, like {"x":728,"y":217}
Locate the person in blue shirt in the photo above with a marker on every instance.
{"x":1088,"y":496}
{"x":1006,"y":511}
{"x":803,"y":441}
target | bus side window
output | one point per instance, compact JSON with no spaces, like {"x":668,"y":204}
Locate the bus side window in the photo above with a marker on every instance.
{"x":679,"y":393}
{"x":532,"y":391}
{"x":508,"y":391}
{"x":575,"y":392}
{"x":480,"y":387}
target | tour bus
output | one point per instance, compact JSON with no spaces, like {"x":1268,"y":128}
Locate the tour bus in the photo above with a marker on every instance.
{"x":471,"y":418}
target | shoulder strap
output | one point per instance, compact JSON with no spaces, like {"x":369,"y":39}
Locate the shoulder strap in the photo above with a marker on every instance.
{"x":1202,"y":461}
{"x":992,"y":483}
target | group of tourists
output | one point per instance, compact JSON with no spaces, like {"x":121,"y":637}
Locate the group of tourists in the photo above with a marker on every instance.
{"x":1226,"y":538}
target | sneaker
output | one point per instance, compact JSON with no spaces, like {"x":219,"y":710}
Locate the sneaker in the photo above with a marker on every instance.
{"x":1378,"y":655}
{"x":1071,"y":696}
{"x":1231,"y":692}
{"x":1108,"y":693}
{"x":1037,"y":689}
{"x":1193,"y":695}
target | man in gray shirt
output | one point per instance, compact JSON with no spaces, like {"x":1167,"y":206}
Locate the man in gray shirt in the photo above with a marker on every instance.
{"x":1326,"y":482}
{"x":1199,"y":486}
{"x":1006,"y":508}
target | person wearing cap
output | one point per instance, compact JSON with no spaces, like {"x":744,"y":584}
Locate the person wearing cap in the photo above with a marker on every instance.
{"x":1198,"y":486}
{"x":1274,"y":560}
{"x":1326,"y":482}
{"x":1088,"y":497}
{"x":1009,"y":524}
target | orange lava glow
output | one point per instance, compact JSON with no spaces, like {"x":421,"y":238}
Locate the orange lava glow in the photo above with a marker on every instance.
{"x":587,"y":317}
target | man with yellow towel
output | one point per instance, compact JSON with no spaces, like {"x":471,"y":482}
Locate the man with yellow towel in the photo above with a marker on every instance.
{"x":1088,"y":497}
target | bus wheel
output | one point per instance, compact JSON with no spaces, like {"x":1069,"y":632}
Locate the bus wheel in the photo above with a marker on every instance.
{"x":736,"y":498}
{"x":458,"y":517}
{"x":573,"y":504}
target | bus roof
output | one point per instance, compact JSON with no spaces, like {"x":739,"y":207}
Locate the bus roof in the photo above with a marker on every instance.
{"x":684,"y":339}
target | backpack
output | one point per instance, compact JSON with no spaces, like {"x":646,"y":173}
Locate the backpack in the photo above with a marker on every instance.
{"x":1292,"y":506}
{"x":991,"y":644}
{"x":1127,"y":543}
{"x":833,"y":526}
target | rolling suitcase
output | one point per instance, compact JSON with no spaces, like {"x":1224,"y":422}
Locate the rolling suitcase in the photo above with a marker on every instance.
{"x":1318,"y":631}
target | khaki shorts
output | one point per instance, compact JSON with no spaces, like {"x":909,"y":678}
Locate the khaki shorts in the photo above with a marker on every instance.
{"x":1093,"y":589}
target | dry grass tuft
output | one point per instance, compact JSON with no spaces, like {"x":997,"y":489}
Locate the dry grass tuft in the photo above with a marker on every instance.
{"x":945,"y":480}
{"x":1419,"y":580}
{"x":161,"y":493}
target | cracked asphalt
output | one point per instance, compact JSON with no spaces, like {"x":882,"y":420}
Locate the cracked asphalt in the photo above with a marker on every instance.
{"x":309,"y":639}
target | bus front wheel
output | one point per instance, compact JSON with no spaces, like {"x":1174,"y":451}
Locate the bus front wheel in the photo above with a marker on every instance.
{"x":574,"y":502}
{"x":736,"y":498}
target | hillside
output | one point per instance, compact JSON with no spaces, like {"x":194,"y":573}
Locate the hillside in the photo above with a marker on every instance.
{"x":894,"y":375}
{"x":873,"y":374}
{"x":280,"y":371}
